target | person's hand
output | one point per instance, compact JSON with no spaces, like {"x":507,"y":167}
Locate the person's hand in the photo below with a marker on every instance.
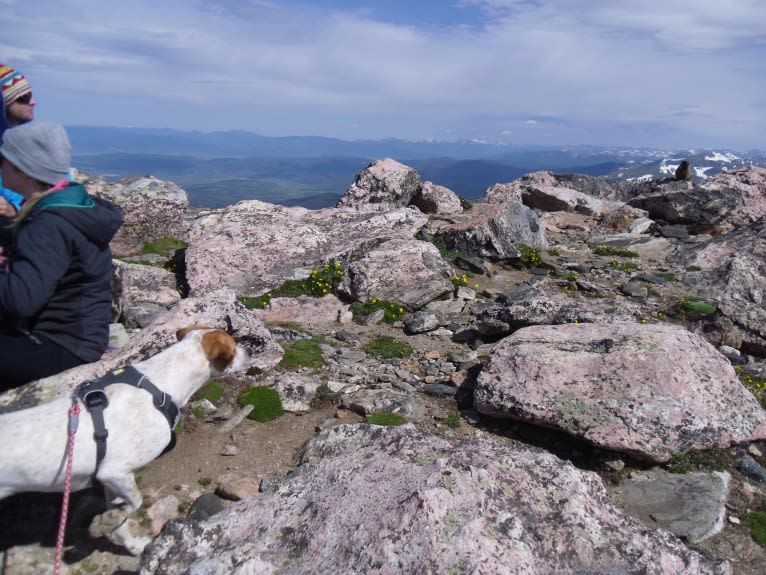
{"x":3,"y":259}
{"x":6,"y":209}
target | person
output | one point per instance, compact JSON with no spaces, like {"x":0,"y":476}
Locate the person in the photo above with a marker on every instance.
{"x":18,"y":107}
{"x":56,"y":277}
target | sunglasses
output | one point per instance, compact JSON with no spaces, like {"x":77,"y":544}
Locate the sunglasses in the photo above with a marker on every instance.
{"x":24,"y":99}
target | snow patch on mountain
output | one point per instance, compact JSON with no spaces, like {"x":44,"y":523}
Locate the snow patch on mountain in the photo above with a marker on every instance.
{"x":702,"y":172}
{"x":668,"y":166}
{"x":727,"y":157}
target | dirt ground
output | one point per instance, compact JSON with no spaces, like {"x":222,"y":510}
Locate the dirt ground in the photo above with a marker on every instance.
{"x":196,"y":462}
{"x":29,"y":522}
{"x":202,"y":455}
{"x":192,"y":467}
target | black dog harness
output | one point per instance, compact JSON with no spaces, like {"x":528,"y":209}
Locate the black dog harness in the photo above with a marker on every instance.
{"x":92,"y":394}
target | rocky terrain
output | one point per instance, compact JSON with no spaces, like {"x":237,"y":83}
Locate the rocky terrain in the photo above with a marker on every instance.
{"x":574,"y":340}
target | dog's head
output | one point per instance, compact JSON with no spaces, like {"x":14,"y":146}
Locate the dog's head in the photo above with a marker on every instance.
{"x":220,"y":348}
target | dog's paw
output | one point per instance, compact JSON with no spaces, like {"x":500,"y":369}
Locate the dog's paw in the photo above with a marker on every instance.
{"x":131,"y":536}
{"x":121,"y":530}
{"x":104,"y":524}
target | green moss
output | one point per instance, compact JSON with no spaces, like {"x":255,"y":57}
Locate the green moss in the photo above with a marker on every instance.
{"x":266,"y":403}
{"x":441,"y":244}
{"x":715,"y":459}
{"x":164,"y":246}
{"x":756,"y":522}
{"x":691,"y":308}
{"x":325,"y":396}
{"x":529,"y":257}
{"x":626,"y":267}
{"x":87,"y":566}
{"x":137,"y":262}
{"x":755,"y":385}
{"x":322,"y":281}
{"x":695,"y":306}
{"x":452,"y":420}
{"x":258,"y":302}
{"x":295,"y":326}
{"x":302,"y":353}
{"x":391,"y":311}
{"x":387,"y":347}
{"x":212,"y":391}
{"x":603,"y":250}
{"x":386,"y":418}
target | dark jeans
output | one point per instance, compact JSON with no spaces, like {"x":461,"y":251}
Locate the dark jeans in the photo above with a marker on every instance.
{"x":23,"y":360}
{"x":6,"y":235}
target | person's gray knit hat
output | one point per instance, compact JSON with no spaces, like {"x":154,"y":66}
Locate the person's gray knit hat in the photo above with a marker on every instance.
{"x":39,"y":149}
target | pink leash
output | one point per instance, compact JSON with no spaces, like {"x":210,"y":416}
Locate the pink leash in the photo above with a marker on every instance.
{"x":74,"y":417}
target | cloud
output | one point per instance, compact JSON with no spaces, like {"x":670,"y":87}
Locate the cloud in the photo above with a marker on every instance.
{"x":582,"y":69}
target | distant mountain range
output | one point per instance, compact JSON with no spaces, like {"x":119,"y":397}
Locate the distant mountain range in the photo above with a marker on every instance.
{"x":221,"y":168}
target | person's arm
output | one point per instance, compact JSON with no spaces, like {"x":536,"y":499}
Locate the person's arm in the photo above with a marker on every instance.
{"x":40,"y":259}
{"x":9,"y":200}
{"x":7,"y":208}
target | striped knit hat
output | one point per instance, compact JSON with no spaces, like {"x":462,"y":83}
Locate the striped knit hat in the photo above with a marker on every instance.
{"x":13,"y":84}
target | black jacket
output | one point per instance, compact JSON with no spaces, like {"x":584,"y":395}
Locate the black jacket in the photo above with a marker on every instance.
{"x":58,"y":281}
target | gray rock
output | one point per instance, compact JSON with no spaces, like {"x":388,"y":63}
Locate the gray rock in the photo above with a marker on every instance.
{"x":690,"y":505}
{"x":204,"y":507}
{"x":750,"y":467}
{"x":153,"y":209}
{"x":368,"y":401}
{"x":142,"y":292}
{"x":724,"y":203}
{"x":735,"y":279}
{"x":495,"y":231}
{"x":649,"y":390}
{"x":418,"y":276}
{"x":304,"y":311}
{"x":440,"y":390}
{"x":634,"y":289}
{"x":433,"y":199}
{"x":384,"y":185}
{"x":408,"y":502}
{"x":422,"y":322}
{"x":296,"y":390}
{"x":253,"y":246}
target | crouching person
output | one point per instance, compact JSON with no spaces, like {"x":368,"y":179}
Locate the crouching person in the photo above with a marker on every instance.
{"x":56,"y":276}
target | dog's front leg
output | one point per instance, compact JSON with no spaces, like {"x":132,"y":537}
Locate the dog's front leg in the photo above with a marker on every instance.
{"x":116,"y":524}
{"x":121,"y":490}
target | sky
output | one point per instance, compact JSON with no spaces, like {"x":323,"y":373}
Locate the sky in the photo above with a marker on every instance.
{"x":656,"y":73}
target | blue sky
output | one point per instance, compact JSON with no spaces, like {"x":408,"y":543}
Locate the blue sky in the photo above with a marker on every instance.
{"x":659,"y":73}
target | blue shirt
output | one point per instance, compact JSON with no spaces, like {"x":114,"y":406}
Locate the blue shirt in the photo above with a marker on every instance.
{"x":10,"y":196}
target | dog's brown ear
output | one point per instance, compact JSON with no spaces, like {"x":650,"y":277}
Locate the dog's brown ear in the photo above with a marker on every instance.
{"x":181,"y":333}
{"x":219,"y":348}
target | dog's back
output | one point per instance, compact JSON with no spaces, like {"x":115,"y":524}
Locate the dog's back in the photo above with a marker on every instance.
{"x":33,"y":456}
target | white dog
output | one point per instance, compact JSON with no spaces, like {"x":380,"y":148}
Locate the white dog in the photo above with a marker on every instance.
{"x":34,"y":440}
